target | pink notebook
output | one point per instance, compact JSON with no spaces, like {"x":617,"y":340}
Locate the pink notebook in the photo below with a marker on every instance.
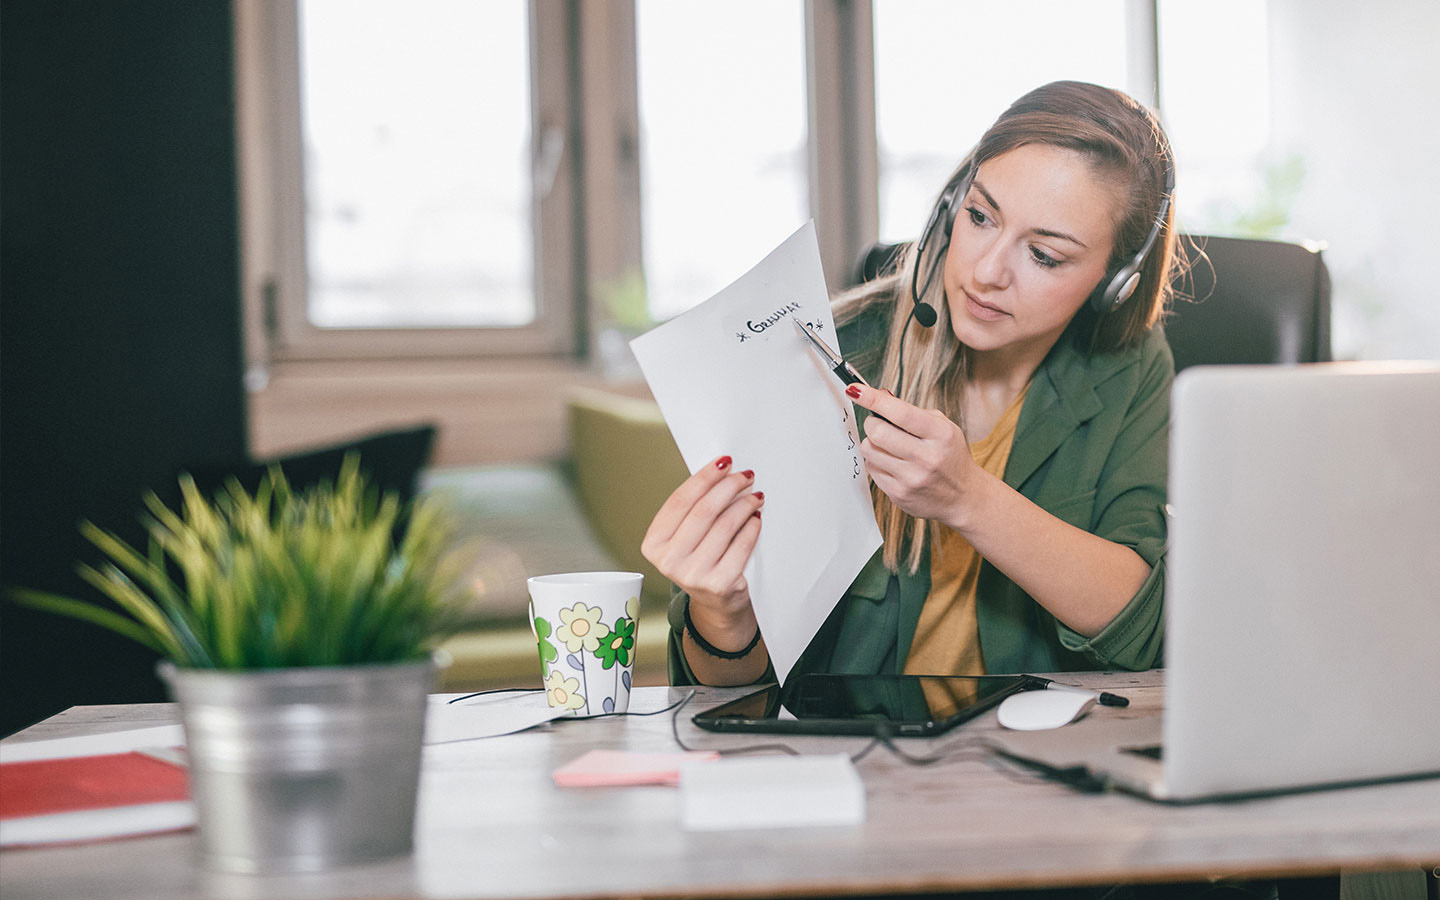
{"x":621,"y":768}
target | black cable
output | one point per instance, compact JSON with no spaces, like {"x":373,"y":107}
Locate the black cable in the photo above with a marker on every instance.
{"x":754,"y":748}
{"x":900,"y":369}
{"x":1015,"y":771}
{"x":965,"y":748}
{"x":653,"y":712}
{"x":493,"y":691}
{"x":547,"y":721}
{"x":865,"y":751}
{"x":951,"y":753}
{"x":957,"y":751}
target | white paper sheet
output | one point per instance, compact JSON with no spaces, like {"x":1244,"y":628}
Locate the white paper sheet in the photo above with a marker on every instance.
{"x":93,"y":744}
{"x":97,"y":824}
{"x":484,"y":716}
{"x":480,"y":717}
{"x":732,"y":376}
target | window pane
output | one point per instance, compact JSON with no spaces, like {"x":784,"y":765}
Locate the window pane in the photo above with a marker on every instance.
{"x":1293,"y":138}
{"x":722,"y":138}
{"x":416,"y":123}
{"x":1218,"y":118}
{"x":944,"y":70}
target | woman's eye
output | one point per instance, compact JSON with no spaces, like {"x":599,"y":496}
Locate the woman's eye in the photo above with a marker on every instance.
{"x":976,"y":216}
{"x":1043,"y":259}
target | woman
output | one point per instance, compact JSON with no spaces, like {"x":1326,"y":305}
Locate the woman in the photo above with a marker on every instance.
{"x":1019,"y":475}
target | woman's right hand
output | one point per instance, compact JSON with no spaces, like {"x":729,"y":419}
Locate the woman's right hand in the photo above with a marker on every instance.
{"x":701,"y":539}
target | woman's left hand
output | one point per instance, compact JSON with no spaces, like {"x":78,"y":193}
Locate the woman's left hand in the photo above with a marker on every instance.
{"x":918,"y":457}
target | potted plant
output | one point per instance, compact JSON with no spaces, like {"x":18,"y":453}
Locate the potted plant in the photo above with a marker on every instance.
{"x":297,"y":636}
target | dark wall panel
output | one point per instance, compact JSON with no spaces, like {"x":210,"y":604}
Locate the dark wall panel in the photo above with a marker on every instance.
{"x":120,"y":356}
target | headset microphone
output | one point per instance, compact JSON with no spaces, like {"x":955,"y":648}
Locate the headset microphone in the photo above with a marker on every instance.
{"x":925,"y":314}
{"x":943,"y":215}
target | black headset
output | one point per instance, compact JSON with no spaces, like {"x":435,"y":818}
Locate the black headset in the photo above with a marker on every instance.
{"x":920,"y":311}
{"x":1110,"y":293}
{"x":945,"y":209}
{"x":1114,"y":289}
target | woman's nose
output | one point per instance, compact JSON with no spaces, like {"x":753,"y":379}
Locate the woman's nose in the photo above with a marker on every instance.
{"x":991,"y":267}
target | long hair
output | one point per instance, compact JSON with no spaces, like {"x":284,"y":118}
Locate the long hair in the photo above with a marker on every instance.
{"x":1127,"y":146}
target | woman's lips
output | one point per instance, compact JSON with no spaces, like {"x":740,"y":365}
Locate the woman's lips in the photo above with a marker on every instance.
{"x":983,"y":311}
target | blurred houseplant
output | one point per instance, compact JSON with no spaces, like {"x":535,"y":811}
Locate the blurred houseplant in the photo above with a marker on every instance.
{"x":297,"y":635}
{"x":624,"y":315}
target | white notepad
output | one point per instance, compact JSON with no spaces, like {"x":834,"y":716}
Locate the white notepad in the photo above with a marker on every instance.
{"x":771,"y":792}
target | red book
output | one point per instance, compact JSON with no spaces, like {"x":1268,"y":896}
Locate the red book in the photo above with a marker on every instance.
{"x":72,"y":794}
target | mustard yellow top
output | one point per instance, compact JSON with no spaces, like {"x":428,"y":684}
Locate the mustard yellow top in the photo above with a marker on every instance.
{"x":947,"y":639}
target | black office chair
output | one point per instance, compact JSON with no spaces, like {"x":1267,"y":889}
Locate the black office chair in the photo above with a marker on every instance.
{"x":877,"y":260}
{"x":1243,"y":301}
{"x":1252,"y":301}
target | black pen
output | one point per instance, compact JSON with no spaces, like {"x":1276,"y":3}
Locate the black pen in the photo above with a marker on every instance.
{"x":842,"y":369}
{"x":1104,"y":697}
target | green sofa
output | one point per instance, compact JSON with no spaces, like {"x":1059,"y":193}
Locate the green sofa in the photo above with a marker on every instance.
{"x":588,"y":512}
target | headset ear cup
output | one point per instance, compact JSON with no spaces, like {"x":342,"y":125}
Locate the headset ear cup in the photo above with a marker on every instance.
{"x":1127,"y":290}
{"x":1114,"y":290}
{"x":956,"y":199}
{"x":1099,"y":298}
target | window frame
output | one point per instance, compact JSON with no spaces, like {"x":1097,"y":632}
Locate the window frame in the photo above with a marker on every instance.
{"x":273,"y":206}
{"x":586,"y":227}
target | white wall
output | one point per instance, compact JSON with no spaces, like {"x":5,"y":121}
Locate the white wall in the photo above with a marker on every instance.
{"x":1356,"y":93}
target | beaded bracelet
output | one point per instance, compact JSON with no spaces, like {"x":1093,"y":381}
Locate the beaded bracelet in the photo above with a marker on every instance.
{"x":713,"y":650}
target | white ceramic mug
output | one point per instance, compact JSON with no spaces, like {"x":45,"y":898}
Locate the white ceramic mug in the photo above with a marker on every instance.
{"x":585,"y":629}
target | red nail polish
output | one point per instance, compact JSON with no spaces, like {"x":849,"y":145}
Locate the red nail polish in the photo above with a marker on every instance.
{"x":748,"y":473}
{"x":759,"y":495}
{"x":853,"y":392}
{"x":723,"y":462}
{"x":756,"y":514}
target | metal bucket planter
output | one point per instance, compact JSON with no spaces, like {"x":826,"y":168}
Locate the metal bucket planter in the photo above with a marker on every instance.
{"x":303,"y":769}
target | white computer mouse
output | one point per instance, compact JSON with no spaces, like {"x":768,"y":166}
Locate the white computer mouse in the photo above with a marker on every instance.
{"x":1038,"y":710}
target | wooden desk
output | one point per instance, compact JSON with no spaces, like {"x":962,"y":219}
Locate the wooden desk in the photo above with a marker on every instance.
{"x":492,"y":824}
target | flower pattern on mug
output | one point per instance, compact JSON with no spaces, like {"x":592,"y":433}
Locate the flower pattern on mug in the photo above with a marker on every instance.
{"x":562,"y":692}
{"x":581,"y":628}
{"x":548,"y":653}
{"x":616,"y":646}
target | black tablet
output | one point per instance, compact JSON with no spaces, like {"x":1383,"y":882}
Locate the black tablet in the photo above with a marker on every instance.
{"x":863,"y":704}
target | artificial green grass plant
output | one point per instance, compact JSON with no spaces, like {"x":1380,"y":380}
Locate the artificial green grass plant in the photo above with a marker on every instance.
{"x":278,"y":578}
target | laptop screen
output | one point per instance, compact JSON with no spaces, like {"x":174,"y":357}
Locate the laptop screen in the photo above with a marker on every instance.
{"x":1303,"y":576}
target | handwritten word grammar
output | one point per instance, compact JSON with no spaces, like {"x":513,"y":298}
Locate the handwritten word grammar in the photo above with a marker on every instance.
{"x":779,"y":315}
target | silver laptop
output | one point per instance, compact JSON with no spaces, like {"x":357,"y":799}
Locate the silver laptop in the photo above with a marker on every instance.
{"x":1302,"y":635}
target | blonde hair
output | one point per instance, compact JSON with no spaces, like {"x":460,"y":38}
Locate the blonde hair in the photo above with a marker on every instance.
{"x":1125,"y":144}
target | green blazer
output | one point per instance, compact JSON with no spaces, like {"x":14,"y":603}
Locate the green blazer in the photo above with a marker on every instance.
{"x":1091,"y":449}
